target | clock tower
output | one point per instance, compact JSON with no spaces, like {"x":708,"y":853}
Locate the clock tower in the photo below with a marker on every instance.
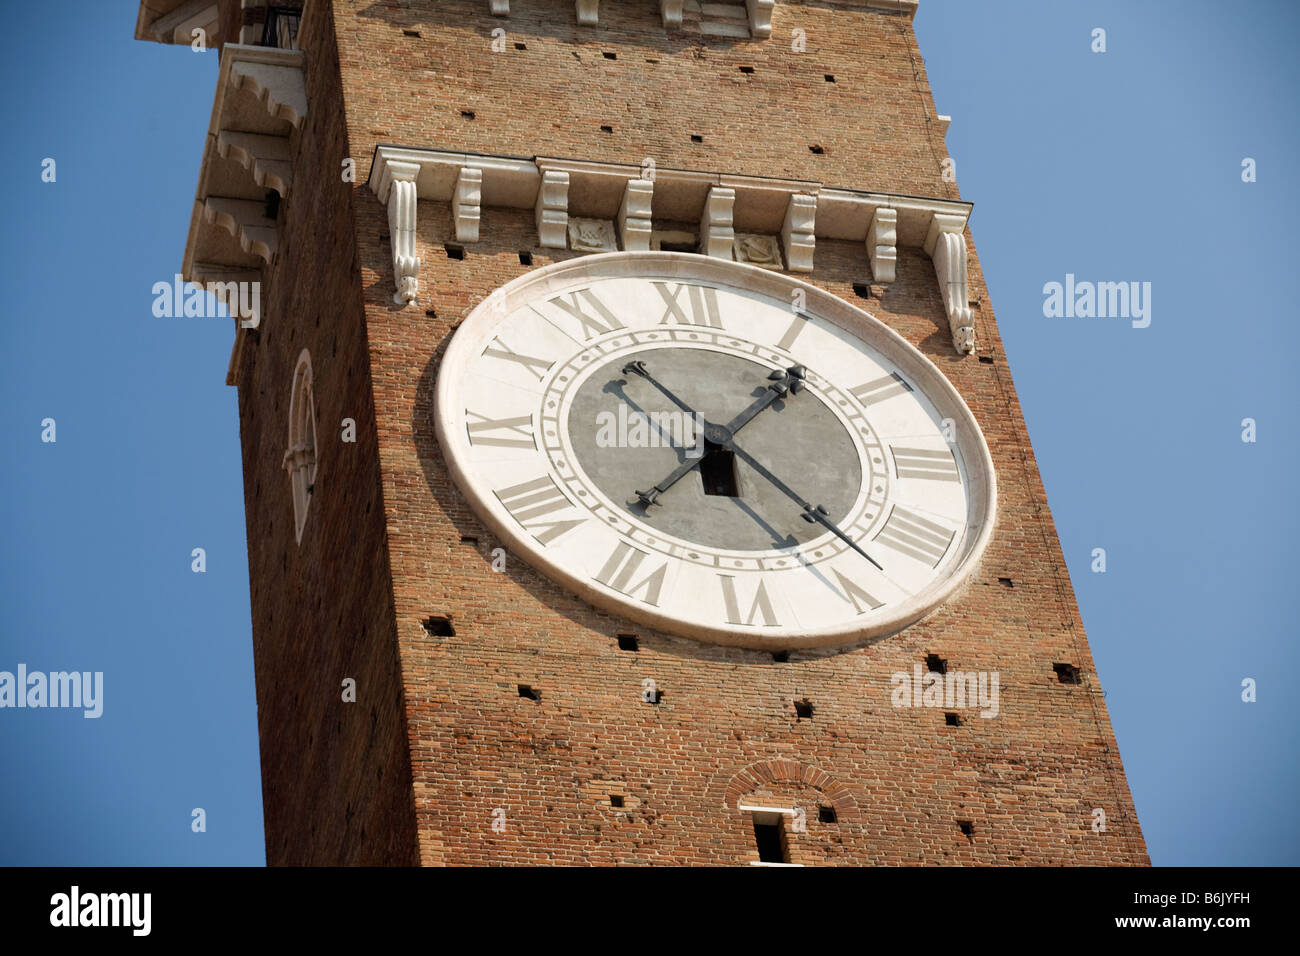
{"x":632,"y":471}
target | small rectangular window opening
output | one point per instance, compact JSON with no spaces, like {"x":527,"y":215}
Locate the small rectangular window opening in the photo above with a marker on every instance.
{"x":525,"y":257}
{"x":454,"y":250}
{"x":769,"y":835}
{"x":826,"y":815}
{"x":438,"y":625}
{"x":803,"y":709}
{"x":718,"y":471}
{"x":952,"y":720}
{"x":1066,"y":673}
{"x":529,"y":693}
{"x":936,"y":664}
{"x":616,"y":800}
{"x":628,"y":642}
{"x":862,"y":290}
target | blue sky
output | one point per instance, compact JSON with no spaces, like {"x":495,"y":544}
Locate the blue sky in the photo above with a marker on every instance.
{"x":1115,"y":166}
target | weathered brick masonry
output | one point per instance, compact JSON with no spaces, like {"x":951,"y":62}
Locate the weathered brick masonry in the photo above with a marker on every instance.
{"x":440,"y":737}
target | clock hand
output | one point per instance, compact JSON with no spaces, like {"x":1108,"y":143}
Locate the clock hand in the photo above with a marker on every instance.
{"x":638,"y":368}
{"x":791,"y":381}
{"x":813,"y":514}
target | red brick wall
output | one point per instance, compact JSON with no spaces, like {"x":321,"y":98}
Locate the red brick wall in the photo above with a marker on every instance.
{"x":900,"y":779}
{"x":336,"y":779}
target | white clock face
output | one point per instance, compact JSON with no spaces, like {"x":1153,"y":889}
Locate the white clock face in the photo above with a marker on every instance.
{"x":715,"y":450}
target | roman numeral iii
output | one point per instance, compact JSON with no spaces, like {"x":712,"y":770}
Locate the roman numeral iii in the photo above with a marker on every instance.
{"x":917,"y":537}
{"x":924,"y":463}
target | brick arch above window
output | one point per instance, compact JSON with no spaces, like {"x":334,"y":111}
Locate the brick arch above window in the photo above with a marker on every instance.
{"x":776,"y":774}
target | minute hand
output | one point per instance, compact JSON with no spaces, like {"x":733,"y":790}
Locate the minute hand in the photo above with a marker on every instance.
{"x":811,"y":512}
{"x":638,"y":368}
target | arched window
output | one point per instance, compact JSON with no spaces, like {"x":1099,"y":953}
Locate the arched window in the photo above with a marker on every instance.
{"x":300,"y":458}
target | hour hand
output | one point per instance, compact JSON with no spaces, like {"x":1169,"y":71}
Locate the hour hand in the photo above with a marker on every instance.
{"x":789,"y":382}
{"x":648,"y":498}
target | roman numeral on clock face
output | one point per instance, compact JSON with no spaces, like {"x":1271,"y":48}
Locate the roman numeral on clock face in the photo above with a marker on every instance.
{"x":516,"y":432}
{"x":619,"y":571}
{"x":761,"y":607}
{"x":594,"y":318}
{"x":877,"y":390}
{"x":855,"y":595}
{"x":924,"y":463}
{"x":701,"y":304}
{"x":535,"y":499}
{"x":538,"y":367}
{"x":917,"y":537}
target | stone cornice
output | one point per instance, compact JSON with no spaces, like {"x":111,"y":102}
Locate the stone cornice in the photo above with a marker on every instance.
{"x":797,"y":212}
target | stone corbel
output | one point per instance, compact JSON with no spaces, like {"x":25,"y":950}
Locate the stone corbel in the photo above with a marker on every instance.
{"x":398,"y":190}
{"x":716,"y":233}
{"x":634,"y":215}
{"x":246,"y":220}
{"x":946,"y":245}
{"x":882,"y":244}
{"x":587,"y":16}
{"x":499,"y":8}
{"x":268,"y":158}
{"x":553,"y":210}
{"x":466,"y":203}
{"x":797,"y":232}
{"x":671,"y":11}
{"x":760,"y":17}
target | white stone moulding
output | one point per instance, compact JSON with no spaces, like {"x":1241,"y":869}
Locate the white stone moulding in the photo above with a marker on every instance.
{"x":272,"y":75}
{"x":268,"y":158}
{"x":882,"y":243}
{"x":246,"y":220}
{"x":946,"y":245}
{"x":397,"y":190}
{"x":179,"y":25}
{"x":717,"y":235}
{"x":552,"y":210}
{"x":798,"y":232}
{"x":798,"y":211}
{"x":760,"y":17}
{"x":466,"y":203}
{"x":634,"y":215}
{"x":715,"y":19}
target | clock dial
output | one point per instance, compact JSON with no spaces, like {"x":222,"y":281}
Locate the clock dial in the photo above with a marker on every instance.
{"x":715,"y":450}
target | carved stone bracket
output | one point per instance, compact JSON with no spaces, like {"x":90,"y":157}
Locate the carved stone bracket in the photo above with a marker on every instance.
{"x":882,"y":243}
{"x":634,"y":215}
{"x":465,"y":203}
{"x":499,"y":8}
{"x":398,"y":190}
{"x":797,"y":232}
{"x":587,"y":13}
{"x":246,"y":220}
{"x":553,"y":209}
{"x":760,"y":17}
{"x":716,"y":232}
{"x":946,"y":245}
{"x":671,"y":12}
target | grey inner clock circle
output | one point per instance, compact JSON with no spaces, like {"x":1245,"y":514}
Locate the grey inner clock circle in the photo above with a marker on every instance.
{"x":628,"y":437}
